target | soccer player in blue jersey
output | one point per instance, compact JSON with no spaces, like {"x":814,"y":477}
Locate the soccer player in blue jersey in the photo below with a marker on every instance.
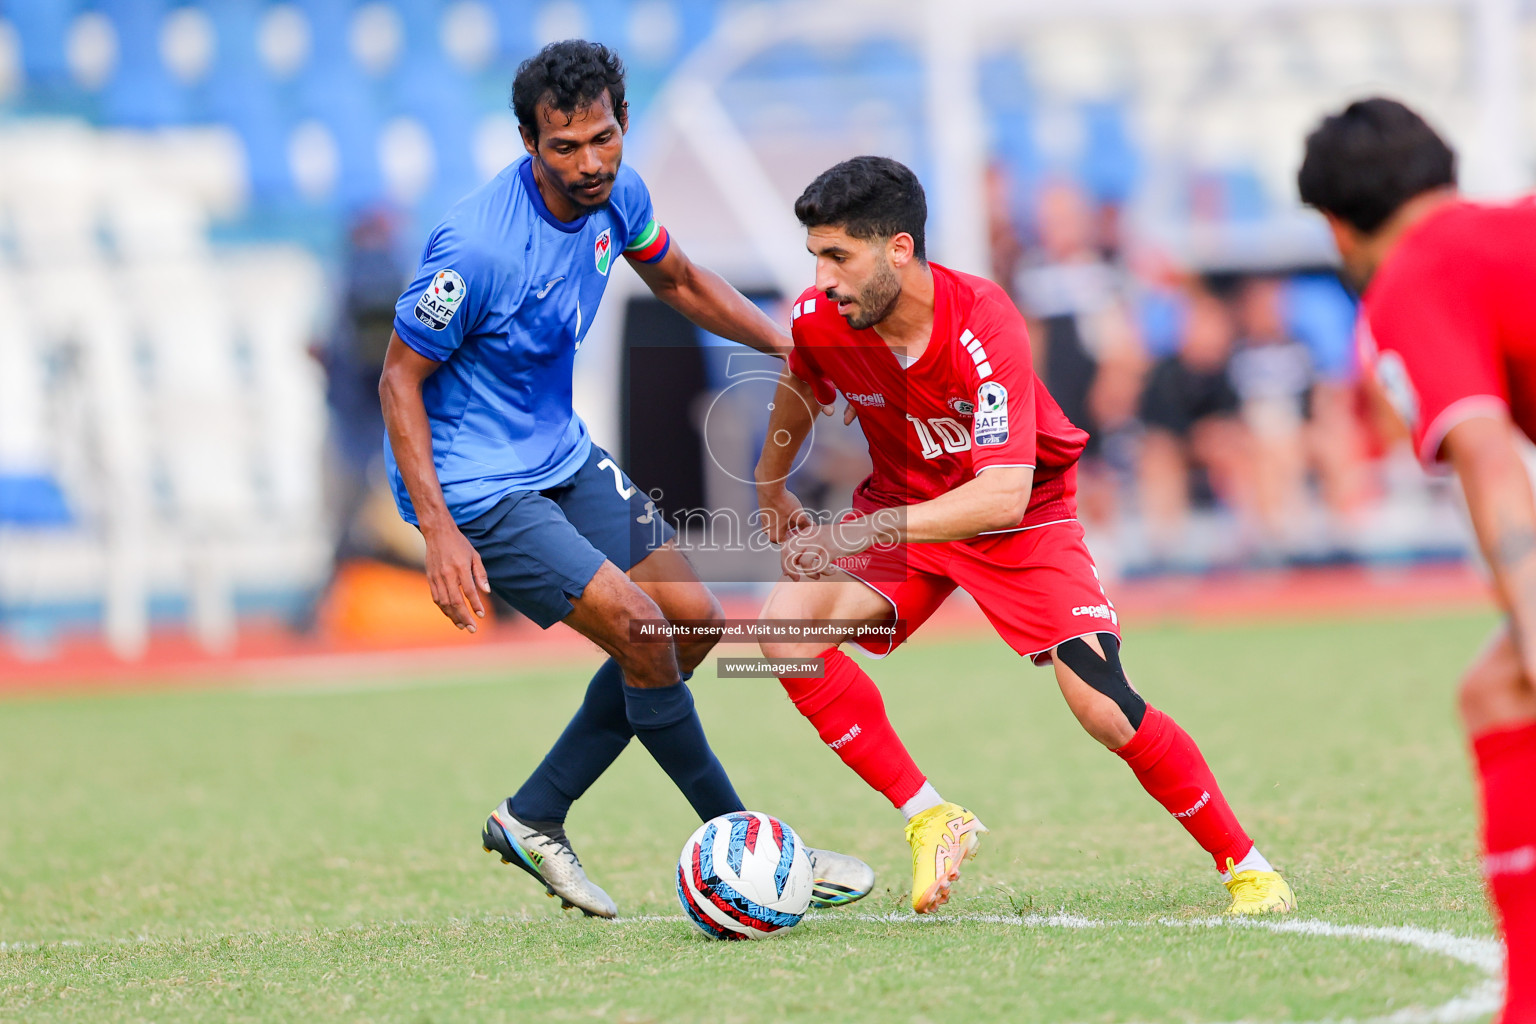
{"x":487,"y":458}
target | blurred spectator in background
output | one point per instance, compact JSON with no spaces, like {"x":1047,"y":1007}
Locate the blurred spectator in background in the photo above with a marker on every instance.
{"x":1272,"y":375}
{"x":1004,"y":244}
{"x":353,"y":357}
{"x":1085,"y":346}
{"x":1321,"y":315}
{"x":1193,"y":443}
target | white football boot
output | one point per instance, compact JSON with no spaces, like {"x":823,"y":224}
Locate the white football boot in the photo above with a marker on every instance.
{"x":839,"y":878}
{"x":549,"y":859}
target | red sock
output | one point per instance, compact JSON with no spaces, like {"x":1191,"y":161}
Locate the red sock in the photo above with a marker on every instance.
{"x":849,"y":715}
{"x":1506,"y":766}
{"x":1169,"y":766}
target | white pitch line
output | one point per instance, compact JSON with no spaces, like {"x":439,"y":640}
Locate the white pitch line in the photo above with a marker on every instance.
{"x":1487,"y":955}
{"x":1482,"y":998}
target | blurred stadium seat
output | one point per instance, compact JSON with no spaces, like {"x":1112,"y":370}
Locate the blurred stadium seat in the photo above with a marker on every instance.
{"x":165,"y":425}
{"x":1116,"y":99}
{"x":30,"y":495}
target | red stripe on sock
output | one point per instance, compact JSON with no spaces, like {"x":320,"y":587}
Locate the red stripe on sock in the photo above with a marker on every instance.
{"x":848,"y":712}
{"x":1170,"y":767}
{"x":1506,"y":769}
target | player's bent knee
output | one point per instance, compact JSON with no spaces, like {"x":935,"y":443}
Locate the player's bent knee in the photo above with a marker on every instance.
{"x":711,"y":622}
{"x":646,"y":663}
{"x":649,"y":665}
{"x":1492,"y":691}
{"x":696,"y":604}
{"x":1106,"y":724}
{"x":785,"y":649}
{"x":1105,"y":721}
{"x":1471,"y":696}
{"x":784,"y":603}
{"x":706,"y":621}
{"x":693,"y":652}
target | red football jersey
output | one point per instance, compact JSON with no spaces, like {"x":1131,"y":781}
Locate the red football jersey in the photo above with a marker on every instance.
{"x":970,"y":401}
{"x":1449,"y":320}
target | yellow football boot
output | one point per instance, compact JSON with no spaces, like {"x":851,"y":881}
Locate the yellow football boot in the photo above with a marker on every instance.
{"x":942,"y":838}
{"x":1259,"y":892}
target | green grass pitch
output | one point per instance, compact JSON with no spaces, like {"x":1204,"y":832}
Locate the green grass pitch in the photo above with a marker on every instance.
{"x":312,"y":852}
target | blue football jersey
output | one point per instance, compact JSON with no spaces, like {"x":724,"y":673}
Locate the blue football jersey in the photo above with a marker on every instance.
{"x":504,"y":295}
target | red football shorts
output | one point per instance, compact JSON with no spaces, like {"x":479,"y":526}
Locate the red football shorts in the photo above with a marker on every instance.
{"x":1038,"y":587}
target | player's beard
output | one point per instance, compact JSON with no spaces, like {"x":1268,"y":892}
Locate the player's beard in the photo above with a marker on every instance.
{"x":877,"y":298}
{"x":574,"y":193}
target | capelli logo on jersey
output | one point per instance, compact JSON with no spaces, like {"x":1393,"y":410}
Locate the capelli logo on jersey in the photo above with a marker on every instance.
{"x":1095,"y":611}
{"x":874,"y":400}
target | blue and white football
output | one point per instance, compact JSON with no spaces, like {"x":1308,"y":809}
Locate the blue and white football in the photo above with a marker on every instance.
{"x":744,"y":876}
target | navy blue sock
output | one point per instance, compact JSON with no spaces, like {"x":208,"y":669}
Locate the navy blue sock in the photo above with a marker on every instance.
{"x":596,"y":735}
{"x":666,"y":722}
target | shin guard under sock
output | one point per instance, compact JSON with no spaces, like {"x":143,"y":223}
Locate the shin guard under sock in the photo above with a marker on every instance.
{"x":1506,"y":768}
{"x":849,"y":715}
{"x":1170,"y":767}
{"x":665,"y":721}
{"x":596,"y":735}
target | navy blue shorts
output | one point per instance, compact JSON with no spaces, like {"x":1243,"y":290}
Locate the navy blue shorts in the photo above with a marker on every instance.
{"x":542,"y":548}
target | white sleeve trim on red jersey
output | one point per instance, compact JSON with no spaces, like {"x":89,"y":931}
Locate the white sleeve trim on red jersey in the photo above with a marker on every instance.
{"x":1006,"y":465}
{"x":1021,"y":529}
{"x":978,"y":354}
{"x":1458,"y":412}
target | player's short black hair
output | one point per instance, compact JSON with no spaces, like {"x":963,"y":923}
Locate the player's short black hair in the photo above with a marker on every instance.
{"x":868,"y":197}
{"x":1366,"y":161}
{"x":567,"y":75}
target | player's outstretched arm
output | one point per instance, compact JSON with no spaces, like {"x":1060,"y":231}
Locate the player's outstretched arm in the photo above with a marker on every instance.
{"x":707,"y":299}
{"x":789,"y":424}
{"x":996,"y":499}
{"x":1484,"y":454}
{"x":454,"y":569}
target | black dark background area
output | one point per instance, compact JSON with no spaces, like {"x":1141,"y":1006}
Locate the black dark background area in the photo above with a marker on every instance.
{"x":663,"y":374}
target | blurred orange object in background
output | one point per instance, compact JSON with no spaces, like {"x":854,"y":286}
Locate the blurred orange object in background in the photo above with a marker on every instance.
{"x":377,"y":605}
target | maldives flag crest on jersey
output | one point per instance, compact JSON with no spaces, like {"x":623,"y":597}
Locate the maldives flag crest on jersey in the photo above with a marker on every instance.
{"x":602,"y":251}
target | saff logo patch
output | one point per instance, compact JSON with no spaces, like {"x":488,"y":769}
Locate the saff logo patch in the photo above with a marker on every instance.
{"x":602,"y":251}
{"x":991,"y":425}
{"x":441,"y":299}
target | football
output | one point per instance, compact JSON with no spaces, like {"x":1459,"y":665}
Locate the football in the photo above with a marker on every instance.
{"x":744,"y":876}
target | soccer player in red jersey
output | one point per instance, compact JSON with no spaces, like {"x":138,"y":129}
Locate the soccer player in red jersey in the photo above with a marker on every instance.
{"x":1449,"y":326}
{"x":973,"y":486}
